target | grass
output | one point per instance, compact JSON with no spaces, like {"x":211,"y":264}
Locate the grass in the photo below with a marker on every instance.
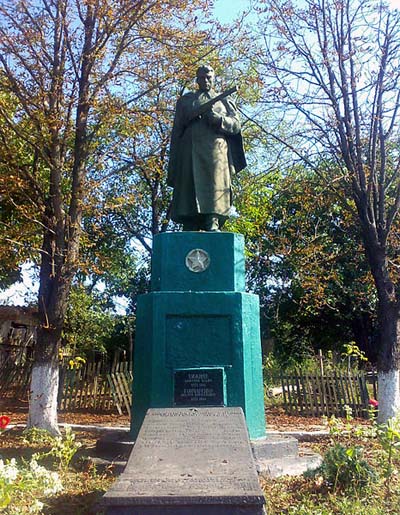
{"x":84,"y":484}
{"x":313,"y":496}
{"x":300,"y":496}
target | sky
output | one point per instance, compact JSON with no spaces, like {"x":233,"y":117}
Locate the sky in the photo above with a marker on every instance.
{"x":395,"y":3}
{"x":226,"y":11}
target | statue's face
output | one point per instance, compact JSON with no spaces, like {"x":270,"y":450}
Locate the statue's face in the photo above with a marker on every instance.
{"x":205,"y":80}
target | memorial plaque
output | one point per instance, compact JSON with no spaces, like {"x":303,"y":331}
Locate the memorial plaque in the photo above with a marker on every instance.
{"x":189,"y":461}
{"x":199,"y":387}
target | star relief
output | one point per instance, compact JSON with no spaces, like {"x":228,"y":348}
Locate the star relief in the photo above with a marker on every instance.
{"x":197,"y":260}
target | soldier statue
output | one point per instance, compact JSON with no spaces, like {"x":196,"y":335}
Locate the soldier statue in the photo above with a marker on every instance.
{"x":206,"y":151}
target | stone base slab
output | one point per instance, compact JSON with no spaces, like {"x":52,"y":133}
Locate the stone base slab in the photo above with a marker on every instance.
{"x":193,"y":509}
{"x":288,"y":466}
{"x":189,"y":461}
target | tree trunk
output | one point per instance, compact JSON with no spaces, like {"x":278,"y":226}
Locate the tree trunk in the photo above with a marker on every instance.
{"x":44,"y":381}
{"x":388,"y":325}
{"x":388,"y":361}
{"x":53,"y":295}
{"x":388,"y":395}
{"x":388,"y":318}
{"x":43,"y":401}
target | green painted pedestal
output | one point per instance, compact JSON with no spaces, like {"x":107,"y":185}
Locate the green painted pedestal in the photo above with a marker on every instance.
{"x":197,"y":333}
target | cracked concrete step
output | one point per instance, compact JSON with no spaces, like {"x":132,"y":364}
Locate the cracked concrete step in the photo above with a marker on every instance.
{"x":288,"y":466}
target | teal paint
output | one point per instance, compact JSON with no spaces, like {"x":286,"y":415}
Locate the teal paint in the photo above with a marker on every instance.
{"x":225,"y":273}
{"x":191,"y":326}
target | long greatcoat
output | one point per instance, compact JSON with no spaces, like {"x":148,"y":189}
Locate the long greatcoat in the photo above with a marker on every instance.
{"x":204,"y":158}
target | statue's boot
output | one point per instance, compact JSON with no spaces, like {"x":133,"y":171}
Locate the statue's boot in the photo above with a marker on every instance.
{"x":191,"y":225}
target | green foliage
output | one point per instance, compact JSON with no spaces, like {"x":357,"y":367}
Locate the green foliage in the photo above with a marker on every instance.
{"x":29,"y":480}
{"x":271,"y":369}
{"x":345,"y":430}
{"x":271,"y":366}
{"x":346,"y":469}
{"x":90,"y":322}
{"x":352,"y":351}
{"x":110,"y":256}
{"x":389,"y":438}
{"x":292,"y":348}
{"x":293,"y":359}
{"x":36,"y":435}
{"x":63,"y":449}
{"x":305,"y":262}
{"x":34,"y":488}
{"x":19,"y":230}
{"x":275,"y":363}
{"x":336,"y":505}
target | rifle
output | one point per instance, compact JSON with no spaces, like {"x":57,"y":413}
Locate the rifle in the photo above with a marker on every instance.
{"x":203,"y":108}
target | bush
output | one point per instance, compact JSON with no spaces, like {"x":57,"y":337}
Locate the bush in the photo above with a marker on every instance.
{"x":63,"y":448}
{"x":344,"y":468}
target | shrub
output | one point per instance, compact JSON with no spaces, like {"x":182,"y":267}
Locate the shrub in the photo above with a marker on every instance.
{"x":63,"y":449}
{"x":389,"y":438}
{"x":345,"y":468}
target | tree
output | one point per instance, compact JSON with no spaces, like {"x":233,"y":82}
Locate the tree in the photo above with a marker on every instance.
{"x":91,"y":323}
{"x":18,"y":231}
{"x":333,"y":73}
{"x":305,"y":261}
{"x":64,"y":63}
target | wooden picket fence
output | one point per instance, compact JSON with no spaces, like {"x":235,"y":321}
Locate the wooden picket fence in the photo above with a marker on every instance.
{"x":104,"y":387}
{"x":94,"y":386}
{"x":15,"y":379}
{"x":318,"y":394}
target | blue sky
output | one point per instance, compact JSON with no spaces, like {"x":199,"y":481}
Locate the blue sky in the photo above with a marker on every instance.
{"x":227,"y":10}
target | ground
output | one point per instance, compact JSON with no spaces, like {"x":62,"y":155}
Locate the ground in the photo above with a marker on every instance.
{"x":84,"y":483}
{"x":17,"y":410}
{"x":277,"y":420}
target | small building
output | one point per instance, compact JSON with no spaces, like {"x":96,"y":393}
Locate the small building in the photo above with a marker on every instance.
{"x":17,"y":334}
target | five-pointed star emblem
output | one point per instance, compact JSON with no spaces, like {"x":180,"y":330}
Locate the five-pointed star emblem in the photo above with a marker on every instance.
{"x":197,"y":260}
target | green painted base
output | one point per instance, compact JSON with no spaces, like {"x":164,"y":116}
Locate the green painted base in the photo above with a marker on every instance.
{"x":199,"y":331}
{"x":225,"y":271}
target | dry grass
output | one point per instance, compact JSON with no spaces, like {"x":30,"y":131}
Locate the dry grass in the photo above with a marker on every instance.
{"x":84,"y":484}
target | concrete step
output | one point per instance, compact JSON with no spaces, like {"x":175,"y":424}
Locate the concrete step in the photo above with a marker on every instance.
{"x":274,"y":456}
{"x":289,"y":465}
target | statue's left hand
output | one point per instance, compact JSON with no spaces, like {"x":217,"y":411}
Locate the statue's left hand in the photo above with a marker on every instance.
{"x":214,"y":119}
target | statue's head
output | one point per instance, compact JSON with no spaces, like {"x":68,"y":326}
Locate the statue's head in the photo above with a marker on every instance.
{"x":205,"y":77}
